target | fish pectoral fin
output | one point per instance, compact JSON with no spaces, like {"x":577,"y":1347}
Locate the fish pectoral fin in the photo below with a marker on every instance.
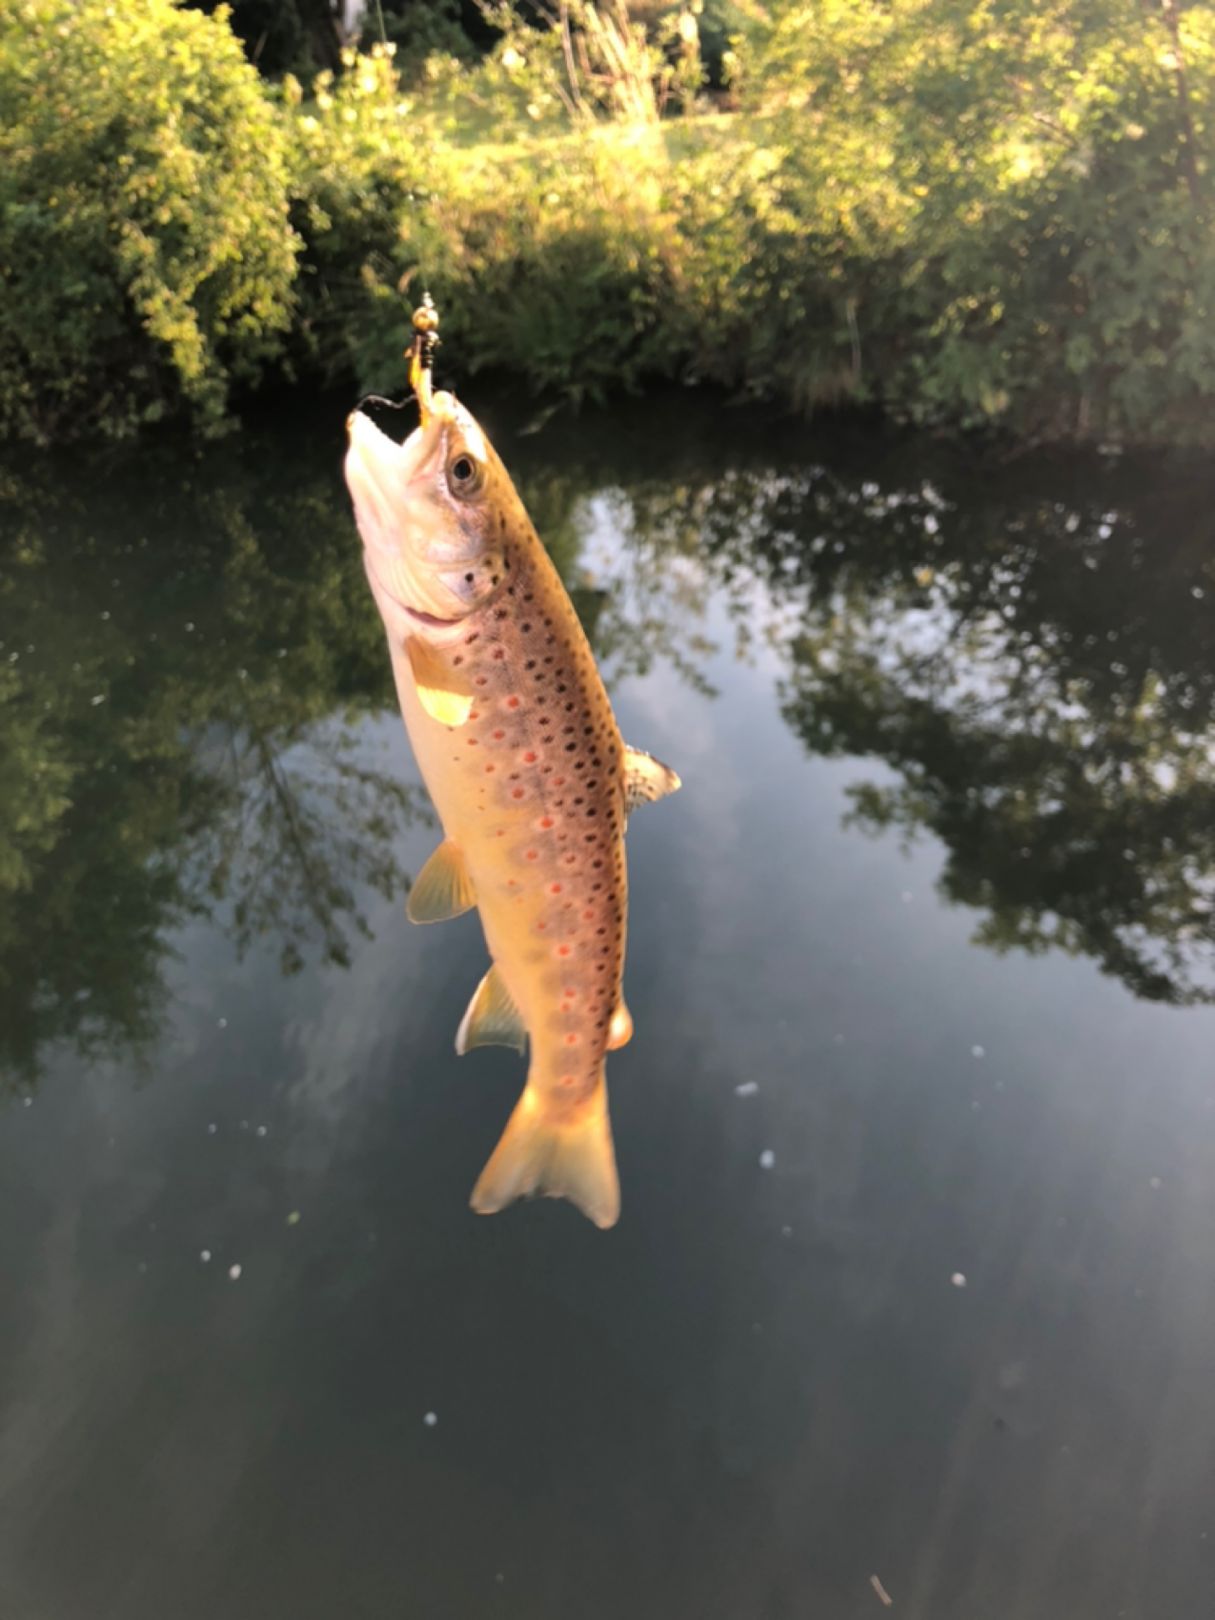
{"x":442,"y":889}
{"x":646,"y":779}
{"x":491,"y":1017}
{"x":444,"y":697}
{"x":620,"y":1030}
{"x":558,"y":1155}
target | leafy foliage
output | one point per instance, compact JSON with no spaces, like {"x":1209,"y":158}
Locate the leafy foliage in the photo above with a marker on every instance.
{"x":992,"y":215}
{"x":146,"y":261}
{"x":1032,"y":180}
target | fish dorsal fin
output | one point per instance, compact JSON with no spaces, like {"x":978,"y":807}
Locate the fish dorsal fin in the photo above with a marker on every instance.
{"x":620,"y":1030}
{"x":646,"y":779}
{"x":444,"y":698}
{"x":442,"y":888}
{"x":491,"y":1018}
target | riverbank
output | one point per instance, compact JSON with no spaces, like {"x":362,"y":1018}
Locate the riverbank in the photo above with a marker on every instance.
{"x":969,"y":224}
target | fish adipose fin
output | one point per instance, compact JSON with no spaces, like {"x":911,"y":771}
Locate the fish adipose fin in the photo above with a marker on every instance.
{"x":438,"y":691}
{"x":491,"y":1018}
{"x":442,"y":888}
{"x":620,"y":1030}
{"x":559,"y":1155}
{"x":646,"y":779}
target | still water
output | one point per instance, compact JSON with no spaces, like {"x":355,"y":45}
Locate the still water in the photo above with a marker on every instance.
{"x":913,"y":1291}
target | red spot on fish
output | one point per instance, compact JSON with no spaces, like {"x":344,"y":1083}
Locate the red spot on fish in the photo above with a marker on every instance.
{"x":546,"y":822}
{"x":558,"y":781}
{"x":529,"y":758}
{"x":481,"y":680}
{"x":554,"y":888}
{"x":498,"y":736}
{"x":490,"y":769}
{"x":563,"y":950}
{"x":530,"y":855}
{"x":473,"y":715}
{"x":512,"y":703}
{"x":588,"y":916}
{"x":472,"y":742}
{"x":516,"y":793}
{"x":540,"y":927}
{"x":571,"y":1039}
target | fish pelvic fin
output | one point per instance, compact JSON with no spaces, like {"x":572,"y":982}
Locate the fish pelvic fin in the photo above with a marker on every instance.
{"x":442,"y":889}
{"x":556,"y":1154}
{"x":646,"y":779}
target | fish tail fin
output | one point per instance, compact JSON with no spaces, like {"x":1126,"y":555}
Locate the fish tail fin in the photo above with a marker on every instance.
{"x":558,"y":1153}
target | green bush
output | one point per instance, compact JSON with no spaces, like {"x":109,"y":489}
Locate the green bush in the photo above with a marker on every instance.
{"x":1024,"y":187}
{"x":971,"y":212}
{"x":146,"y":259}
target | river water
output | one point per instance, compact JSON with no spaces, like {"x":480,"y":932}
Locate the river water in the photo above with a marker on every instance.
{"x":912,"y":1296}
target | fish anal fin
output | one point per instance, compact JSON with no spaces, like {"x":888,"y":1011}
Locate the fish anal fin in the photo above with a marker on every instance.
{"x":491,"y":1018}
{"x":646,"y":779}
{"x":620,"y":1030}
{"x":555,"y":1154}
{"x":445,"y":699}
{"x":442,"y":889}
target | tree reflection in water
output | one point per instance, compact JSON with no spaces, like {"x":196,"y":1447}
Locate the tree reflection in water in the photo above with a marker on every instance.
{"x":1028,"y":647}
{"x":179,"y":709}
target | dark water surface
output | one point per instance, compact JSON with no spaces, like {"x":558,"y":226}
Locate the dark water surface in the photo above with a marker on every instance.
{"x":934,"y":1303}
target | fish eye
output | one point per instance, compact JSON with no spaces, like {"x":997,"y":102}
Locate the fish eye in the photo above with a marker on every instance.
{"x":464,"y":475}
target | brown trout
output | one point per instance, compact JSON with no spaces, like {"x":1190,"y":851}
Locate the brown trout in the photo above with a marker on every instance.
{"x":517,"y":744}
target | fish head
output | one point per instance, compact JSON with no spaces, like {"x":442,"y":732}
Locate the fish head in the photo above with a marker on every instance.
{"x":426,"y":510}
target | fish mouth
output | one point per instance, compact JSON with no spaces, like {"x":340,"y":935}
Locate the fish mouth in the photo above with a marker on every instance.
{"x":431,"y":619}
{"x":387,"y":483}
